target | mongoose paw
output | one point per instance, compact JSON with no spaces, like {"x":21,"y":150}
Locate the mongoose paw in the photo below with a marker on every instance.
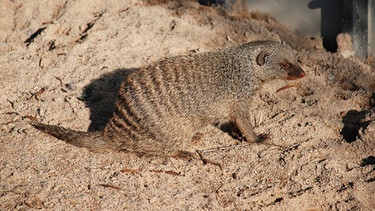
{"x":179,"y":154}
{"x":262,"y":138}
{"x":205,"y":161}
{"x":184,"y":155}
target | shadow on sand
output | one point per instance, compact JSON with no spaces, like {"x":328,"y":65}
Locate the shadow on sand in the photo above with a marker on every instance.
{"x":100,"y":96}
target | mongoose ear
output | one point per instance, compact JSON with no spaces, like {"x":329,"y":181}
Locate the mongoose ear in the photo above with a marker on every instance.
{"x":261,"y":58}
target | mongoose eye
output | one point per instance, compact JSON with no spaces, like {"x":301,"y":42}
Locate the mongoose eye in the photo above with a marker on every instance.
{"x":285,"y":65}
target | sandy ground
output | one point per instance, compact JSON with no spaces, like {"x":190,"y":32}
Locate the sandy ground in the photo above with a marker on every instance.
{"x":322,"y":147}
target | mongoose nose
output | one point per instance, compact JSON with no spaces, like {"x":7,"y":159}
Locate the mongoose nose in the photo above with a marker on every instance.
{"x":302,"y":74}
{"x":295,"y":72}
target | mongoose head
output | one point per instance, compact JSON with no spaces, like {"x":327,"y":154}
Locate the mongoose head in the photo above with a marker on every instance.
{"x":277,"y":61}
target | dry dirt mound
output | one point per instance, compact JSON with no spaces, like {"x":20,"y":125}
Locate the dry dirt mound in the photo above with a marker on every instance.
{"x":62,"y":62}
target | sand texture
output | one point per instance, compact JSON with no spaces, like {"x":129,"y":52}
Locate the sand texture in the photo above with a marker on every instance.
{"x":62,"y":63}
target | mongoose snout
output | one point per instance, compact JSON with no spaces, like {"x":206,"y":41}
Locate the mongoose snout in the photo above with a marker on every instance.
{"x":294,"y":72}
{"x":162,"y":106}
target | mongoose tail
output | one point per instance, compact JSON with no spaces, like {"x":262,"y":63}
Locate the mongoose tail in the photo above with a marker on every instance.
{"x":94,"y":141}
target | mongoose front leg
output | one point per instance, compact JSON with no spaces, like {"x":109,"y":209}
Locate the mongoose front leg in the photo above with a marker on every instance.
{"x":241,"y":118}
{"x":245,"y":128}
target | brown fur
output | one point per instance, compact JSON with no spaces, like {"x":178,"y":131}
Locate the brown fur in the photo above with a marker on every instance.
{"x":160,"y":107}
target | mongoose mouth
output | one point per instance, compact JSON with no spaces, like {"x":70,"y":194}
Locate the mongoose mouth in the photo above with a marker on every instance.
{"x":294,"y":72}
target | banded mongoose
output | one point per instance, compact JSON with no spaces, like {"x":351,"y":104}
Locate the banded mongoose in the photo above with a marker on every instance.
{"x":160,"y":107}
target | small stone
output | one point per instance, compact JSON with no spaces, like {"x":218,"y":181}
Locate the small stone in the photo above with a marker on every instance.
{"x":71,"y":86}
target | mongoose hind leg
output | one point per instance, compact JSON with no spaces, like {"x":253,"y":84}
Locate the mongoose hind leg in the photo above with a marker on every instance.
{"x":181,"y":131}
